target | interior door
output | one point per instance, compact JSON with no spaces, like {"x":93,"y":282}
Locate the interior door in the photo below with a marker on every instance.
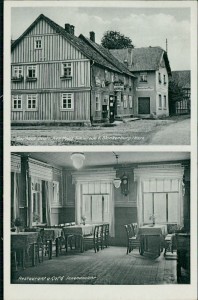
{"x":143,"y":105}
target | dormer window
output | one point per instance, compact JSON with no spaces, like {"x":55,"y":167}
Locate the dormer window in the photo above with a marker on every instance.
{"x":31,"y":73}
{"x":143,"y":77}
{"x":38,"y":44}
{"x":67,"y":71}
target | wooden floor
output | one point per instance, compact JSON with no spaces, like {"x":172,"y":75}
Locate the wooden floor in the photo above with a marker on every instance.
{"x":109,"y":266}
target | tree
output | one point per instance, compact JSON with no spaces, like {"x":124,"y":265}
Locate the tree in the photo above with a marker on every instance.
{"x":115,"y":40}
{"x":175,"y":94}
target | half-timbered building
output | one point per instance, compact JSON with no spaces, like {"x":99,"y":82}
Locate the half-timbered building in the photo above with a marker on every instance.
{"x":57,"y":77}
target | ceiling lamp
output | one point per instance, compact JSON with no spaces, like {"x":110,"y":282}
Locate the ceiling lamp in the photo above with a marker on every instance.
{"x":116,"y":181}
{"x":78,"y":160}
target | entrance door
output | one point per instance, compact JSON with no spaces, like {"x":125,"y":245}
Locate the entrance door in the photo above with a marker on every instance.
{"x":144,"y":105}
{"x":112,"y":108}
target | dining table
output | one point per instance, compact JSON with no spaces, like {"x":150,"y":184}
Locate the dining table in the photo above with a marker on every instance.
{"x":152,"y":237}
{"x":21,"y":242}
{"x":78,"y":231}
{"x":51,"y":235}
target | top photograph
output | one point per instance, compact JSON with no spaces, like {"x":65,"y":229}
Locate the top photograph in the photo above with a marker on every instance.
{"x":100,"y":76}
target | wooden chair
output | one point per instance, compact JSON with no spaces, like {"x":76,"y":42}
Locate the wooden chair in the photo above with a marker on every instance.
{"x":131,"y":238}
{"x":106,"y":235}
{"x":93,"y":241}
{"x":37,"y":249}
{"x":183,"y":257}
{"x":170,"y":240}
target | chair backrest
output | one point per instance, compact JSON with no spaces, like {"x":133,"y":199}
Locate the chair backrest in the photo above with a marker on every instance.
{"x":172,"y":228}
{"x":128,"y":231}
{"x":106,"y":230}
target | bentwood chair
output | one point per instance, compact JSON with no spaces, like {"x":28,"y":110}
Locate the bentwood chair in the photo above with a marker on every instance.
{"x":106,"y":235}
{"x":170,"y":239}
{"x":131,"y":238}
{"x":93,"y":241}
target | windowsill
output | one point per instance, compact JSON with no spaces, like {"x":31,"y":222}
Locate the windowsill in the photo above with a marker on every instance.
{"x":17,"y":79}
{"x":31,"y":79}
{"x":31,"y":109}
{"x":66,"y":109}
{"x":159,"y":108}
{"x":66,"y":77}
{"x":17,"y":109}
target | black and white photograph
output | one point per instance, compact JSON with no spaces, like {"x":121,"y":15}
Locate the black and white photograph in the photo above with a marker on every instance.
{"x":100,"y":76}
{"x":110,"y":218}
{"x":100,"y":150}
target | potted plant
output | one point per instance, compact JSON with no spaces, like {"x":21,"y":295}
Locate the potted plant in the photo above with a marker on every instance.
{"x":83,"y":219}
{"x":152,"y":217}
{"x":18,"y":223}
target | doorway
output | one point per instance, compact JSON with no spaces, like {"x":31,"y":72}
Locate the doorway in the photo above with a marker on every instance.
{"x":144,"y":105}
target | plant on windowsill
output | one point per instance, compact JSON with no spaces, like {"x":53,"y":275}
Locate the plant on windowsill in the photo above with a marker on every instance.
{"x":152,"y":217}
{"x":36,"y":218}
{"x":17,"y":78}
{"x":83,"y":219}
{"x":18,"y":223}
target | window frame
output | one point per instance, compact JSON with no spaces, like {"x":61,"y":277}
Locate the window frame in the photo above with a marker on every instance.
{"x":31,"y":96}
{"x":65,"y":67}
{"x":143,"y":77}
{"x":36,"y":46}
{"x":159,"y":101}
{"x":31,"y":67}
{"x":125,"y":101}
{"x":97,"y":103}
{"x":130,"y":101}
{"x":17,"y":76}
{"x":72,"y":102}
{"x":19,"y":98}
{"x":165,"y":102}
{"x":164,"y":79}
{"x":159,"y":78}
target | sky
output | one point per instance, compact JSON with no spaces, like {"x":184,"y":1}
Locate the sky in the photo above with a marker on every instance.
{"x":145,"y":26}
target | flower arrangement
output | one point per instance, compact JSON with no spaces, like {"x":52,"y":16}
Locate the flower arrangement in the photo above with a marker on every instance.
{"x":84,"y":219}
{"x":152,"y":217}
{"x":17,"y":222}
{"x":36,"y":217}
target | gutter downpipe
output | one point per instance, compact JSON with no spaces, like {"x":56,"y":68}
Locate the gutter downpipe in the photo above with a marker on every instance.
{"x":91,"y":73}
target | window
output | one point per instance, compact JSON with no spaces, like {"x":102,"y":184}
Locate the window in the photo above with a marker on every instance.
{"x":38,"y":44}
{"x":67,"y":101}
{"x":17,"y":72}
{"x":16,"y":102}
{"x":37,"y":211}
{"x":159,"y":77}
{"x":98,"y":104}
{"x":130,"y":102}
{"x":31,"y":72}
{"x":125,"y":101}
{"x":56,"y":193}
{"x":164,"y":79}
{"x":67,"y":70}
{"x":160,"y":101}
{"x":165,"y":104}
{"x":32,"y":102}
{"x":143,"y":77}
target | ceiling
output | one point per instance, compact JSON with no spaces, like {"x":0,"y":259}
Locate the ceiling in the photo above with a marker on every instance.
{"x":94,"y":159}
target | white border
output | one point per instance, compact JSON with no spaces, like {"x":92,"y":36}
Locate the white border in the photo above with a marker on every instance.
{"x":51,"y":292}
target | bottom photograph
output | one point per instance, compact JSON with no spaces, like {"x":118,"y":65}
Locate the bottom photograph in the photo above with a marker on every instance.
{"x":100,"y":218}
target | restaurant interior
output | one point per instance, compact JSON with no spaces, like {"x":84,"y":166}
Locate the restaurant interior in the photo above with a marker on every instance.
{"x":111,"y":218}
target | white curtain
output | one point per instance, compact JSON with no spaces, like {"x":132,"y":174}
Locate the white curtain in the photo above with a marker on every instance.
{"x":16,"y":195}
{"x":139,"y":203}
{"x":48,"y":195}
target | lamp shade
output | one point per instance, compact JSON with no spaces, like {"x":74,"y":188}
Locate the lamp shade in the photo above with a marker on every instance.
{"x":78,"y":160}
{"x":117,"y":182}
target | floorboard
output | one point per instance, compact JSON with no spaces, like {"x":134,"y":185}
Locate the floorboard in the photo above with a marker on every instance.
{"x":111,"y":266}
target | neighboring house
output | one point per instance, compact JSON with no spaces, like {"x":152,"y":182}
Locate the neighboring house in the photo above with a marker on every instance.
{"x":182,"y":80}
{"x":60,"y":78}
{"x":152,"y":69}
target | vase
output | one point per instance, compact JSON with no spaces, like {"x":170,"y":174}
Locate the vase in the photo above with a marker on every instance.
{"x":17,"y":229}
{"x":83,"y":222}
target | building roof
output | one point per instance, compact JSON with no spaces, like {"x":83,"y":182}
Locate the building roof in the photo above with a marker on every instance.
{"x":90,"y":52}
{"x":107,"y":55}
{"x":142,"y":59}
{"x":182,"y":78}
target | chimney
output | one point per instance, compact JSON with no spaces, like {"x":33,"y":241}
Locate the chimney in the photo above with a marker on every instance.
{"x":92,"y":36}
{"x":69,"y":28}
{"x":72,"y":29}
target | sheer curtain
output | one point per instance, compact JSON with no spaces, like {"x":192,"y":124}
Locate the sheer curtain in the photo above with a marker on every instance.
{"x":48,"y":195}
{"x":16,"y":195}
